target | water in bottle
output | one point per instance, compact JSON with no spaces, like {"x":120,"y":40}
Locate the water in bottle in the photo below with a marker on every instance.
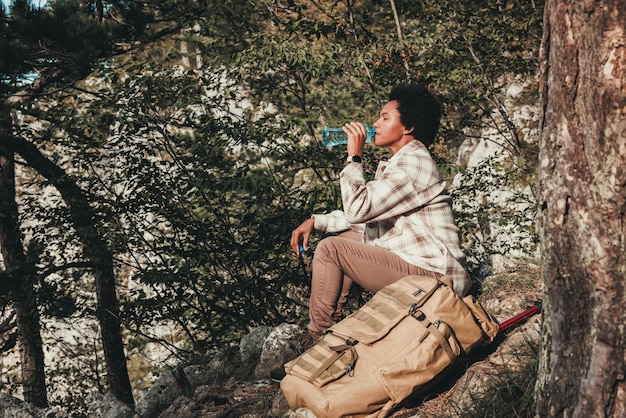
{"x":336,"y":136}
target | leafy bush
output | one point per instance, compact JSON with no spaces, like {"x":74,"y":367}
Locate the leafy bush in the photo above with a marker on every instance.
{"x":199,"y":172}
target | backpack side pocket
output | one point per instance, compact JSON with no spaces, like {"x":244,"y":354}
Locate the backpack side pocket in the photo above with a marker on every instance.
{"x":331,"y":358}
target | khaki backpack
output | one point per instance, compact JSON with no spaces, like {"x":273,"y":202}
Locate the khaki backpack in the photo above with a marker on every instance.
{"x":397,"y":343}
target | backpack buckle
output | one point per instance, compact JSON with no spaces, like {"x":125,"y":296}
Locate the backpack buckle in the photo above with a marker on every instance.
{"x":416,"y":313}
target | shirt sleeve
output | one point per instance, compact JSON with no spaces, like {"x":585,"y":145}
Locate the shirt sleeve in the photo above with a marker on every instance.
{"x":409,"y":183}
{"x":334,"y":221}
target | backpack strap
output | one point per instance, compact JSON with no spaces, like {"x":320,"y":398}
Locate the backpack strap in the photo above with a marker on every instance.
{"x":338,"y":351}
{"x":432,"y":329}
{"x":443,"y":342}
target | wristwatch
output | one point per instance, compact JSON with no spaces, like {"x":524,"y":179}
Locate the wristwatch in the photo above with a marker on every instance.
{"x":354,"y":159}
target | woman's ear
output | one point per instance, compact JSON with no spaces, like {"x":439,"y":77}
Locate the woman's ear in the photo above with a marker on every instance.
{"x":409,"y":131}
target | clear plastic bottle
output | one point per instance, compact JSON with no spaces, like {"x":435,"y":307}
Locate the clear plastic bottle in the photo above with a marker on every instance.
{"x":336,"y":136}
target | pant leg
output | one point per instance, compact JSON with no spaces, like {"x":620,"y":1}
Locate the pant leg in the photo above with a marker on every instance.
{"x":347,"y":281}
{"x":340,"y":260}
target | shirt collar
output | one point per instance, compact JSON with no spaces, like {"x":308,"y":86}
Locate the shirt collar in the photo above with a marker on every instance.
{"x":412,"y":146}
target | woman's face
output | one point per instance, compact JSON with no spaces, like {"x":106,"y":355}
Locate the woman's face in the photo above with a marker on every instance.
{"x":390,"y":132}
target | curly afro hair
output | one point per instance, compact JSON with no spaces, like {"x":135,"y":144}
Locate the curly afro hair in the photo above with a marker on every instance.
{"x":419,"y":109}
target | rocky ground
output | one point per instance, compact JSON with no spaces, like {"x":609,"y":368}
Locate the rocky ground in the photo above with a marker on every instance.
{"x":224,"y":389}
{"x":262,"y":398}
{"x":504,"y":296}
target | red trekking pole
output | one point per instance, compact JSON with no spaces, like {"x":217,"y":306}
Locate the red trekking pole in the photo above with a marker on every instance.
{"x":536,"y":308}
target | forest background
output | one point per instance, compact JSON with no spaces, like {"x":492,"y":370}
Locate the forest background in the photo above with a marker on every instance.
{"x":157,"y":155}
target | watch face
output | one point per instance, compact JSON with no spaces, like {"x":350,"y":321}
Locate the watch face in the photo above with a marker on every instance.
{"x":354,"y":159}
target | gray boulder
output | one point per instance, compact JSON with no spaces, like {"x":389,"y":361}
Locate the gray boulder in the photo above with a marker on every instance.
{"x":251,"y":345}
{"x":281,"y":345}
{"x":107,"y":406}
{"x":160,"y":395}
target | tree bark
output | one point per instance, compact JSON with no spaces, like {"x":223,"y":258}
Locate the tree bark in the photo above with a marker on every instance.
{"x":20,"y":275}
{"x":95,"y":248}
{"x":582,"y":186}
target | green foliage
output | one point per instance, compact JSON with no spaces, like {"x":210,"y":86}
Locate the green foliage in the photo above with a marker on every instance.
{"x":199,"y":173}
{"x":496,"y":213}
{"x":61,"y":36}
{"x":353,"y":55}
{"x":200,"y":203}
{"x":81,"y":356}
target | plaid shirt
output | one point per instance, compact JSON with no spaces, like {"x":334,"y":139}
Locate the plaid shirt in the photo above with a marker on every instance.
{"x":404,"y":209}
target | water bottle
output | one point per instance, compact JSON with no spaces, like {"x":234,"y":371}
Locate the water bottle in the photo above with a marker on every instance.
{"x":336,"y":136}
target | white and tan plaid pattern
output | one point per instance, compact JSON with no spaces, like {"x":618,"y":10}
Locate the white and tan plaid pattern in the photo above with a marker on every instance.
{"x":405,"y":209}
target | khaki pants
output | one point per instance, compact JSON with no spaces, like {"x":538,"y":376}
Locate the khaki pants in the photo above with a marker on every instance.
{"x":341,"y":260}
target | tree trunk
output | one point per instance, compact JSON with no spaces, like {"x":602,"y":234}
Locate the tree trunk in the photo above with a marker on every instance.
{"x":95,"y":248}
{"x":21,"y":276}
{"x":582,"y":185}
